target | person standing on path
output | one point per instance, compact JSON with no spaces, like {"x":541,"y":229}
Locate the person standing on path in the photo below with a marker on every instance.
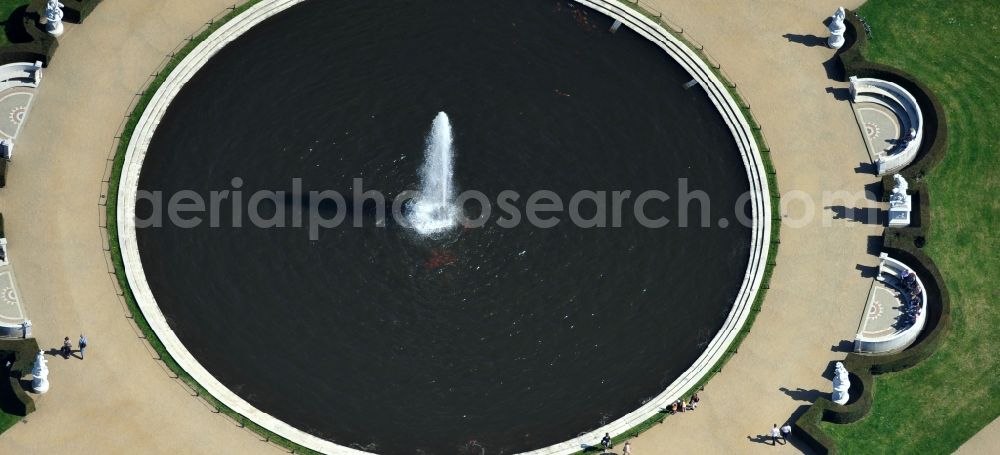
{"x":83,"y":345}
{"x":786,"y":431}
{"x":67,"y":348}
{"x":775,"y":434}
{"x":627,"y":448}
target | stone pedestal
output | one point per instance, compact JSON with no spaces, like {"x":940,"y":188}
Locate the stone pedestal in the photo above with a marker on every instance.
{"x":837,"y":29}
{"x":900,"y":216}
{"x":54,"y":28}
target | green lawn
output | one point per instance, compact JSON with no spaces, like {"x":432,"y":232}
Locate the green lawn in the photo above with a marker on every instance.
{"x":8,"y":420}
{"x":6,"y":8}
{"x":950,"y":45}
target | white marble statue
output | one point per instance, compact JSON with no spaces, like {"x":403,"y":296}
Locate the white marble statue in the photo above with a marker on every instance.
{"x":899,"y":192}
{"x":900,"y":203}
{"x":40,"y":372}
{"x":901,"y":185}
{"x":841,"y":384}
{"x":54,"y":17}
{"x":837,"y":29}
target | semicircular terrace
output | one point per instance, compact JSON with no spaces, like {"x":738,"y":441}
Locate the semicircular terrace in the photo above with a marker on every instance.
{"x":699,"y":71}
{"x":895,"y":151}
{"x":896,"y":311}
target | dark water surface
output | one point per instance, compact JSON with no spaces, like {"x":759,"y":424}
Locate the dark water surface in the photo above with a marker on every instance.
{"x":505,"y":339}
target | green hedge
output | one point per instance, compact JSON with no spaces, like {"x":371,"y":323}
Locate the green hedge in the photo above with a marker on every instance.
{"x":78,"y":10}
{"x":808,"y":431}
{"x":21,"y":353}
{"x":903,"y":244}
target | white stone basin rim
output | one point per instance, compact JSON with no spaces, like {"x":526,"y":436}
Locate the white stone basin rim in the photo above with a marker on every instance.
{"x":699,"y":71}
{"x":127,"y":190}
{"x":760,"y":229}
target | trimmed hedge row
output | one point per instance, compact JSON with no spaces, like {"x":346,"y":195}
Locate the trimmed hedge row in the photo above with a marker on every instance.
{"x":21,"y":353}
{"x":903,"y":244}
{"x":76,"y":11}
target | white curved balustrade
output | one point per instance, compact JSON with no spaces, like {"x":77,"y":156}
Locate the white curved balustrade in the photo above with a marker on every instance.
{"x":873,"y":341}
{"x":901,"y":103}
{"x":13,"y":322}
{"x":20,"y":74}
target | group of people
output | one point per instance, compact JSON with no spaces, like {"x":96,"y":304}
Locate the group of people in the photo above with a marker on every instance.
{"x":912,"y":294}
{"x":67,"y":347}
{"x":607,"y":445}
{"x":783,"y":433}
{"x":682,"y":405}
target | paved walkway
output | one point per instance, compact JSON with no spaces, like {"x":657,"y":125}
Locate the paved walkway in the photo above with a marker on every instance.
{"x":984,"y":442}
{"x":118,"y":400}
{"x":818,"y":293}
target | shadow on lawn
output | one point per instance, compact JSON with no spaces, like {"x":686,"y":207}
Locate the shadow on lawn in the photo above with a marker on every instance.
{"x":13,"y":26}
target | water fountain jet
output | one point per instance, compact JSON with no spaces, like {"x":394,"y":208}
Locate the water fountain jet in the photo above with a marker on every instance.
{"x":434,"y":209}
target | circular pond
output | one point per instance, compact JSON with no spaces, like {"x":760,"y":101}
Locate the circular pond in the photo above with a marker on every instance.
{"x":495,"y":339}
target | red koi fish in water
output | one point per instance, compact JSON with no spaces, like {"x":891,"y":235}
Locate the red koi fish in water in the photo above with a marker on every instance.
{"x":439,"y":259}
